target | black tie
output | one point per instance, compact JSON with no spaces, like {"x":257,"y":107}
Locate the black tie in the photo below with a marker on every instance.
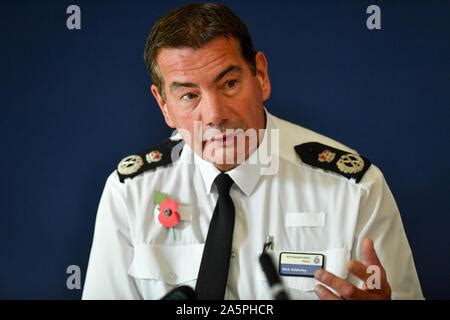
{"x":213,"y":273}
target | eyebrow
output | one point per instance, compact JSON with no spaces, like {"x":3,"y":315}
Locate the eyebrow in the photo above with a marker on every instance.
{"x":232,"y":68}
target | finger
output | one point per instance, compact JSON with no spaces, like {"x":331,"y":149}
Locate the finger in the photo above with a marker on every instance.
{"x":368,"y":253}
{"x":343,"y":287}
{"x":324,"y":293}
{"x":358,"y":269}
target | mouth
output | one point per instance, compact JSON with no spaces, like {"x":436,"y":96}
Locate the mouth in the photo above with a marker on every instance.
{"x":222,"y":139}
{"x":219,"y":137}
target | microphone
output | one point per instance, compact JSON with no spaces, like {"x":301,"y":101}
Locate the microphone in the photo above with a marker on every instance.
{"x":270,"y":271}
{"x":180,"y":293}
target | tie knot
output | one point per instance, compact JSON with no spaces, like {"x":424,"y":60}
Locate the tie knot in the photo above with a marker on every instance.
{"x":223,"y":183}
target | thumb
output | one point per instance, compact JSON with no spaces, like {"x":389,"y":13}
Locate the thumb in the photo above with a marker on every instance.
{"x":368,"y":253}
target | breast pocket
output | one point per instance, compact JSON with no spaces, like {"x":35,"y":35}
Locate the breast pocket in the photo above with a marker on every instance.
{"x":303,"y":287}
{"x":160,"y":268}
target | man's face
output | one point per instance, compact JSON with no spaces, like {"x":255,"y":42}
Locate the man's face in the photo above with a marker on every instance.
{"x":213,"y":88}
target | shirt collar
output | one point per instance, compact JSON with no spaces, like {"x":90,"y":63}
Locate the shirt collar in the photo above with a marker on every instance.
{"x":245,"y":175}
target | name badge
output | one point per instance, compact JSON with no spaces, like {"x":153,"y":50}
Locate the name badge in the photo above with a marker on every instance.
{"x":300,"y":264}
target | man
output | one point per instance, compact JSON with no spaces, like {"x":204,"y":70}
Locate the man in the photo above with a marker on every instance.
{"x":190,"y":212}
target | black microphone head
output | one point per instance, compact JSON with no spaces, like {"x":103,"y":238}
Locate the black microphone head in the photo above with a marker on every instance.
{"x":181,"y":293}
{"x":269,"y":269}
{"x":272,"y":276}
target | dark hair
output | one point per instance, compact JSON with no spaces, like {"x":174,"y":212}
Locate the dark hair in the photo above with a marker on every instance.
{"x":193,"y":26}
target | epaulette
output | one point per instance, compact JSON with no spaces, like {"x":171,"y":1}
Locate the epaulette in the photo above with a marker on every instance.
{"x":135,"y":164}
{"x":347,"y":164}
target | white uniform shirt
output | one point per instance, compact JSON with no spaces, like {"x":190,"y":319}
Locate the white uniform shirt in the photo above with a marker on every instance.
{"x":304,"y":209}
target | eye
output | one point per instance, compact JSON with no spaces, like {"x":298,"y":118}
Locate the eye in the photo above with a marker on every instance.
{"x":231,"y":84}
{"x":188,"y":96}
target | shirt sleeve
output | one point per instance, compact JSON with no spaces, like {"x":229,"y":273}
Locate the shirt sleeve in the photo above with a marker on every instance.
{"x":112,"y":248}
{"x":379,"y":219}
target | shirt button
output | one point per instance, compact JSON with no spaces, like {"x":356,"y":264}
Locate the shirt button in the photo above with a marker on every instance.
{"x":233,"y":254}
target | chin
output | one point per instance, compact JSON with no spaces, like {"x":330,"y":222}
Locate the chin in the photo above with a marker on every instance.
{"x":225,"y":158}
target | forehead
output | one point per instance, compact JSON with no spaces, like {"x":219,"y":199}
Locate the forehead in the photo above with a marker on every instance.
{"x":189,"y":62}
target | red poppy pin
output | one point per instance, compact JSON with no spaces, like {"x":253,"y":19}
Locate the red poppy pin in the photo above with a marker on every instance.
{"x":167,"y":209}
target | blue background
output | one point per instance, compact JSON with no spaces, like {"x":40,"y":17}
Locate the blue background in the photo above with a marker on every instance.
{"x":73,"y":103}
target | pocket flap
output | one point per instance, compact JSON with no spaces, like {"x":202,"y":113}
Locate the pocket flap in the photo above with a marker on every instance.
{"x":171,"y":264}
{"x":305,"y":219}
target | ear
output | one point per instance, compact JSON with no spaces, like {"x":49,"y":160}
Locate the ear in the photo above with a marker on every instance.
{"x":262,"y":74}
{"x":162,"y":105}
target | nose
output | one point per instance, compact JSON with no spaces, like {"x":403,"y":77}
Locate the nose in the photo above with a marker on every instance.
{"x":214,"y":112}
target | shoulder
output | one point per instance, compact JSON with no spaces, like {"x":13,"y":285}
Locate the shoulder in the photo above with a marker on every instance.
{"x":293,"y":134}
{"x":160,"y":155}
{"x":319,"y":153}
